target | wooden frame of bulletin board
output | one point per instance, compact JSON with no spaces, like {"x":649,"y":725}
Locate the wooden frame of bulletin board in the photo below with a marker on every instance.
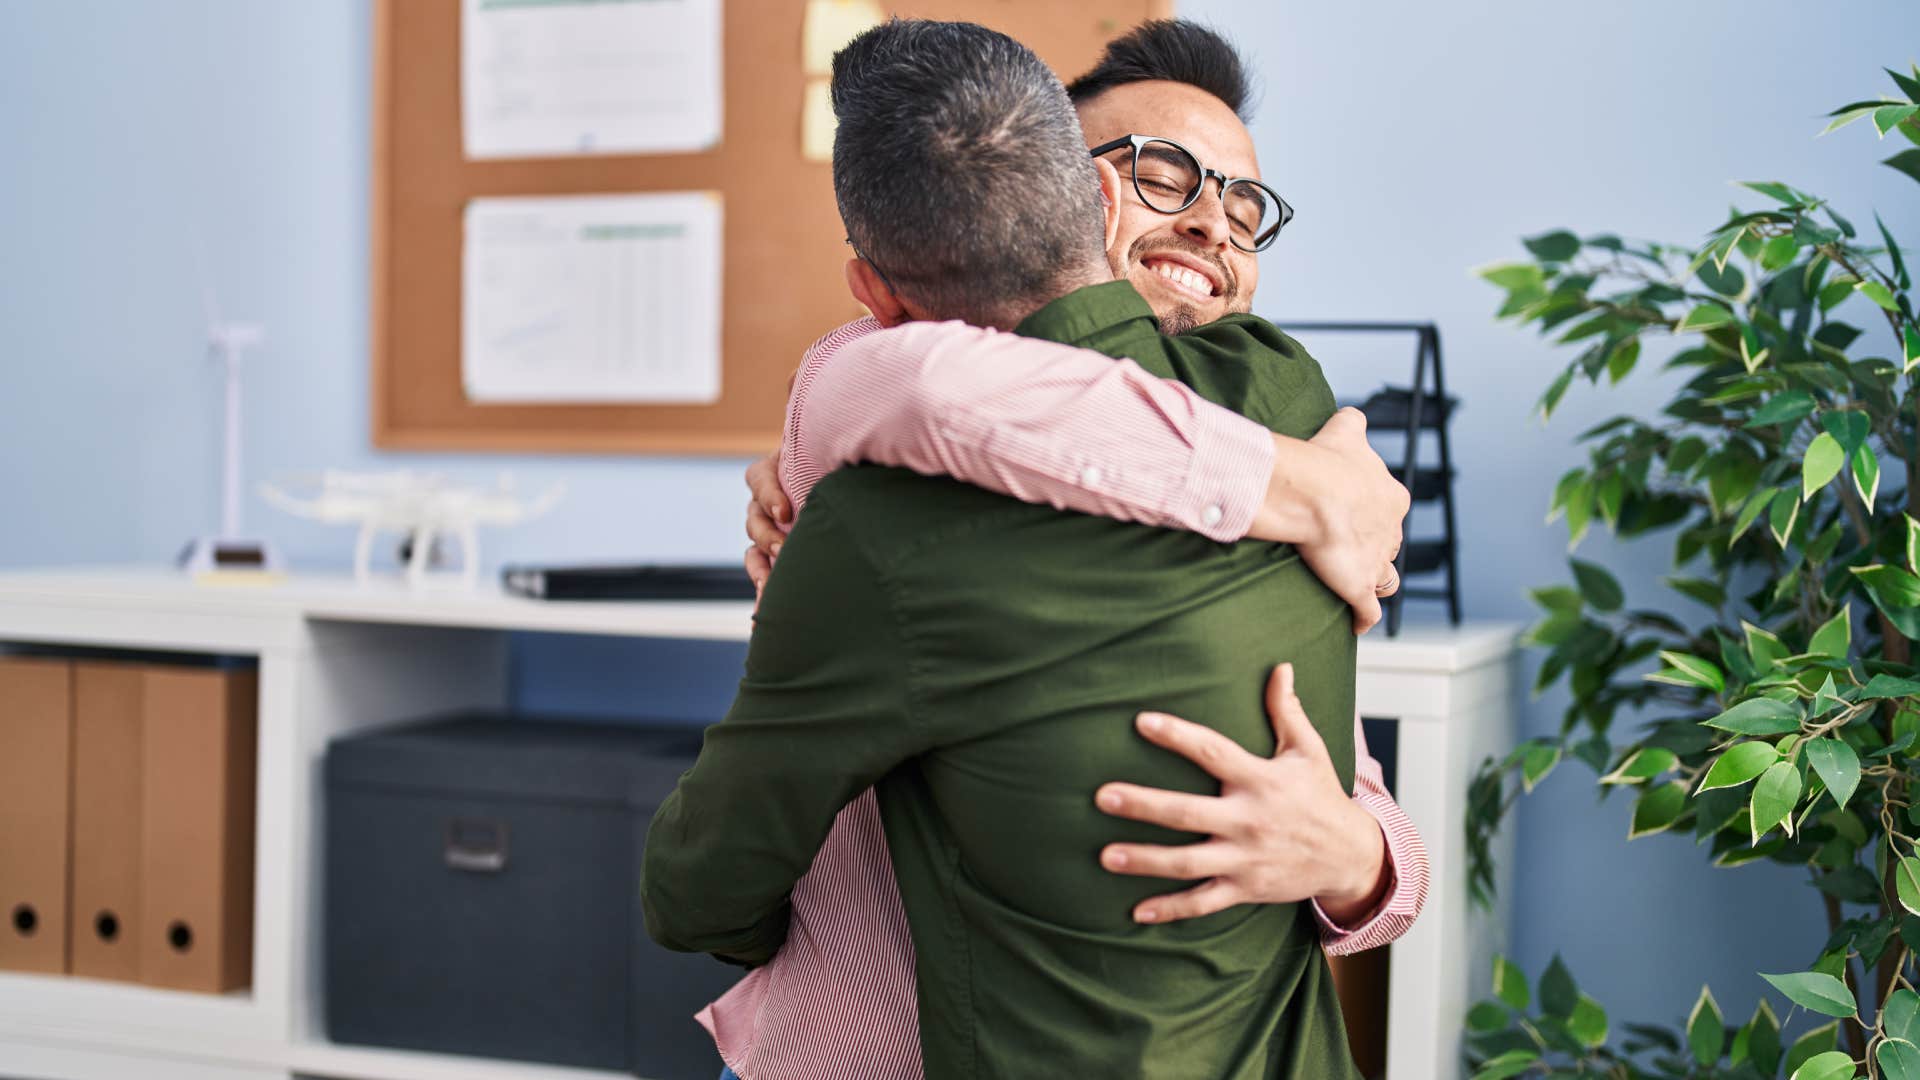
{"x":782,"y":253}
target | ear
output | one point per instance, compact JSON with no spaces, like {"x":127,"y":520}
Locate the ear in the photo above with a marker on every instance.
{"x":1109,"y":196}
{"x":865,"y":285}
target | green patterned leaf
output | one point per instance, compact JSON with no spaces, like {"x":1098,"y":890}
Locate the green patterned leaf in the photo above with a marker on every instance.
{"x":1878,"y":293}
{"x":1899,"y":1060}
{"x":1821,"y":463}
{"x":1643,"y":764}
{"x":1835,"y":636}
{"x":1588,"y":1022}
{"x":1758,"y":716}
{"x":1704,"y":317}
{"x":1832,"y":1065}
{"x":1706,"y":1029}
{"x":1685,"y":670}
{"x":1820,"y":1040}
{"x":1813,"y":990}
{"x":1837,"y":764}
{"x":1900,"y":1019}
{"x":1774,"y":798}
{"x":1601,"y":590}
{"x":1740,"y":763}
{"x":1657,"y":809}
{"x":1906,"y":883}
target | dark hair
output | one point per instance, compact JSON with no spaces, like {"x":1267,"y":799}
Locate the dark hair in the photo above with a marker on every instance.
{"x":1173,"y":50}
{"x":960,"y":169}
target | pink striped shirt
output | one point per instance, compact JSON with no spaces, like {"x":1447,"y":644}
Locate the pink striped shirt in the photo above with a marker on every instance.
{"x":1045,"y":423}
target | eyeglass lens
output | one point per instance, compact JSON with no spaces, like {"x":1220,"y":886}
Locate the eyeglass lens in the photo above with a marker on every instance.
{"x":1168,"y":179}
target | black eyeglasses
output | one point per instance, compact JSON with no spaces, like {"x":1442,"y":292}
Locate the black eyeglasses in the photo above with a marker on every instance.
{"x":1168,"y":178}
{"x":858,"y":254}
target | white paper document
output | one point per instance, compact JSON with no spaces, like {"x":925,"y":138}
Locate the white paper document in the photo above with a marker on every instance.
{"x":610,"y":298}
{"x":543,"y":78}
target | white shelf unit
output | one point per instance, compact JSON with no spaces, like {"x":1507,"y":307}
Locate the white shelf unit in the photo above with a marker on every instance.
{"x":336,"y":657}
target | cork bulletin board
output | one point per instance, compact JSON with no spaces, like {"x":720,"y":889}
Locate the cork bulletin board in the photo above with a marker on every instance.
{"x":782,"y":244}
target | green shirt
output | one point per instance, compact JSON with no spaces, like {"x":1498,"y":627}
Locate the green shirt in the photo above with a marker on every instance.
{"x":981,"y":661}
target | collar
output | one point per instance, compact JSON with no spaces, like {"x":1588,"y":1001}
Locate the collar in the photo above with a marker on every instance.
{"x":1087,"y":311}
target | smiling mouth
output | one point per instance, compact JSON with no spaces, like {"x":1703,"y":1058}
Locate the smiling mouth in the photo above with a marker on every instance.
{"x":1182,"y":277}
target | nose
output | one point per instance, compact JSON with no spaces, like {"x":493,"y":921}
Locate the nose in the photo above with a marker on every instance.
{"x":1205,"y":222}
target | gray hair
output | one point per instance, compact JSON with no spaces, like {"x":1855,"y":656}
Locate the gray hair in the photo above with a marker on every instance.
{"x":961,"y":171}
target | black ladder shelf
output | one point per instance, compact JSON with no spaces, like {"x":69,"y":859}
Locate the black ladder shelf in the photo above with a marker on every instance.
{"x":1421,"y":406}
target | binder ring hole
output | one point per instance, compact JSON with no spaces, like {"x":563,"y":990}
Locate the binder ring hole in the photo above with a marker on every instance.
{"x":107,"y":925}
{"x":180,"y":936}
{"x":26,"y":920}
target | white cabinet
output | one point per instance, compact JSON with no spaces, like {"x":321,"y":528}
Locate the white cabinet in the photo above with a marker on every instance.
{"x":335,"y":657}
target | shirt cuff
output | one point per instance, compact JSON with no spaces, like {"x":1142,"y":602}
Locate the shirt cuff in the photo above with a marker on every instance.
{"x":1406,"y":891}
{"x":1227,"y":480}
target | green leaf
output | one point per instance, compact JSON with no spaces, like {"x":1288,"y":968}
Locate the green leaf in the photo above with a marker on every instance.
{"x":1557,"y":598}
{"x":1778,"y":252}
{"x":1758,"y":716}
{"x":1879,"y":294}
{"x":1558,"y":994}
{"x":1551,"y":399}
{"x":1704,"y":317}
{"x":1642,"y":765}
{"x":1782,"y":408}
{"x":1509,"y":984}
{"x":1599,"y":588}
{"x":1685,"y":670}
{"x":1907,"y":161}
{"x":1486,"y":1018}
{"x":1896,"y":593}
{"x":1866,"y":475}
{"x":1821,"y":463}
{"x":1621,"y":360}
{"x":1888,"y":117}
{"x":1556,"y":246}
{"x":1725,"y":279}
{"x":1835,"y":636}
{"x":1774,"y":797}
{"x":1900,"y":1018}
{"x":1837,"y":764}
{"x":1889,"y":686}
{"x":1782,"y":516}
{"x":1763,"y":1043}
{"x":1832,"y":1065}
{"x":1819,"y":1041}
{"x":1764,"y":647}
{"x":1899,"y":1060}
{"x":1657,"y":809}
{"x":1913,"y":543}
{"x":1740,"y":763}
{"x":1707,"y":592}
{"x":1588,"y":1022}
{"x":1848,"y":428}
{"x":1906,"y":883}
{"x":1812,"y":990}
{"x":1539,"y":761}
{"x":1706,"y":1028}
{"x":1757,"y":503}
{"x":1511,"y":276}
{"x":1909,"y":347}
{"x":1511,"y":1063}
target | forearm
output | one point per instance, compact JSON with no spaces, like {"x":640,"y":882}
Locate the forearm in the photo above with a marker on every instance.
{"x":1043,"y":422}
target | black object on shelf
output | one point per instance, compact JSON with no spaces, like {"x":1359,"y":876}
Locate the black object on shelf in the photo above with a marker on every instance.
{"x":482,"y":895}
{"x":645,"y":581}
{"x":1413,"y":410}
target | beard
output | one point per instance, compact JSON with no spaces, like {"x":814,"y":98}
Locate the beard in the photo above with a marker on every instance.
{"x":1182,"y":318}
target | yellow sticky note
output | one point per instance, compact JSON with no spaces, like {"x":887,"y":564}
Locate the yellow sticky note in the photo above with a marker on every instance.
{"x":816,"y":122}
{"x":829,"y":25}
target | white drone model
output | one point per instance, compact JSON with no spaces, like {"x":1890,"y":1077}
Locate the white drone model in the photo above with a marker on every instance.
{"x":423,"y":507}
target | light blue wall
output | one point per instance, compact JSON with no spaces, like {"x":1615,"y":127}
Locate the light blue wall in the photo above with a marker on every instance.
{"x":1417,"y":140}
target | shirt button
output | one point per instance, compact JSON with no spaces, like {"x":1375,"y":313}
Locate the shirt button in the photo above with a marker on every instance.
{"x":1210,"y":516}
{"x":1091,"y":476}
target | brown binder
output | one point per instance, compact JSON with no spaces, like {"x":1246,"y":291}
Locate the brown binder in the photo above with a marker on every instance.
{"x":197,"y":828}
{"x":36,"y":757}
{"x":105,"y":914}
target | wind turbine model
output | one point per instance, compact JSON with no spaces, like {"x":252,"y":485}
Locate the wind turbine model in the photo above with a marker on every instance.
{"x":228,"y":550}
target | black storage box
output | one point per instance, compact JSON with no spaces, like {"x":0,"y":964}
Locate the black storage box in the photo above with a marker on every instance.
{"x":483,"y":896}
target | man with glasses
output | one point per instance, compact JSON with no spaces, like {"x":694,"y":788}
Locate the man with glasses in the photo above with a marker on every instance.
{"x":813,"y":1013}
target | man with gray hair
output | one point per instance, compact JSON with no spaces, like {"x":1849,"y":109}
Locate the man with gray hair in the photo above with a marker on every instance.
{"x":981,"y":661}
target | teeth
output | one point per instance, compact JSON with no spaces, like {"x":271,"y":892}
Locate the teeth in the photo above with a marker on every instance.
{"x":1181,"y":275}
